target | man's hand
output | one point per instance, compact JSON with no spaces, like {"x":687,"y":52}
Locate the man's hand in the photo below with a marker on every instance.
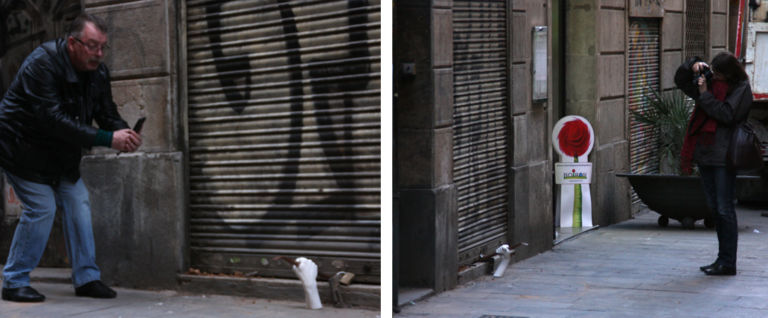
{"x":126,"y":140}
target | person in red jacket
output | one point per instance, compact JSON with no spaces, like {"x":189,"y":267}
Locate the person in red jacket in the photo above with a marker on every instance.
{"x":45,"y":121}
{"x":723,"y":98}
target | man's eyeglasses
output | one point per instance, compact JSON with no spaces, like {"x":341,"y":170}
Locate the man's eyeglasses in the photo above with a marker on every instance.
{"x":92,"y":47}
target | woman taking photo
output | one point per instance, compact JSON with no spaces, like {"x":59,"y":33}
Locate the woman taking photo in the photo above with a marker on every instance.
{"x":723,"y":99}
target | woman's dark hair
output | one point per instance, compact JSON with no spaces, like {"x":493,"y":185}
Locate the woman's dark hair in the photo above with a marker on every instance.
{"x":78,"y":24}
{"x":727,"y":65}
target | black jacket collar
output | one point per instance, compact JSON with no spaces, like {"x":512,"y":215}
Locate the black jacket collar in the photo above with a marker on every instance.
{"x":58,"y":50}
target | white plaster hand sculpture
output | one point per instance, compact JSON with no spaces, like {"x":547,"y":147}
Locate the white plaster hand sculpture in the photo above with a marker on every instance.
{"x":505,"y":253}
{"x":306,"y":270}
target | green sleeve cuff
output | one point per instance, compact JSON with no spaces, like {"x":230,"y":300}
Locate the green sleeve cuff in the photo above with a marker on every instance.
{"x":104,"y":138}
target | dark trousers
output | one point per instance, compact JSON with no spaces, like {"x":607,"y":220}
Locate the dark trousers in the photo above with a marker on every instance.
{"x":719,"y":186}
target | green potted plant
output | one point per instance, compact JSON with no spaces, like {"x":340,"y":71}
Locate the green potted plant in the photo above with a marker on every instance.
{"x":668,"y":114}
{"x":669,"y":193}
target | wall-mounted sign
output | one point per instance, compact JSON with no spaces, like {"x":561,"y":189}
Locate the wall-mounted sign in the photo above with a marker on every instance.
{"x":646,"y":8}
{"x":539,"y":67}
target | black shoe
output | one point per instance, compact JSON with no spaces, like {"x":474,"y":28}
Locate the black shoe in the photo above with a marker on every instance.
{"x":708,"y":267}
{"x":95,"y":289}
{"x":24,"y":294}
{"x":721,"y":270}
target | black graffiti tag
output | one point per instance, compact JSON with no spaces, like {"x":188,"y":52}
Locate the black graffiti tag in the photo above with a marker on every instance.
{"x":214,"y":21}
{"x":331,"y":140}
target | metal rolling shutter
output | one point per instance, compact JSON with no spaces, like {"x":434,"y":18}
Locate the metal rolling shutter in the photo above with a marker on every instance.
{"x":481,"y":125}
{"x":284,"y":135}
{"x":644,"y":57}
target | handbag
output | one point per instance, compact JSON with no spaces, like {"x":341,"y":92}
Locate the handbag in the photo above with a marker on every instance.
{"x":744,"y":152}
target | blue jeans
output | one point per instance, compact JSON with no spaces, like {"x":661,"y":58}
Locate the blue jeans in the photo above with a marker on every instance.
{"x":719,"y":186}
{"x":39,"y":202}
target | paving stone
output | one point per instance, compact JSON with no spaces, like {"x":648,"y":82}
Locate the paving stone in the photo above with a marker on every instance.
{"x":631,"y":269}
{"x":61,"y":302}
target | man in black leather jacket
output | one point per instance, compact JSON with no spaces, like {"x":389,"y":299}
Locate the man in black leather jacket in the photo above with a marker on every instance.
{"x":45,"y":122}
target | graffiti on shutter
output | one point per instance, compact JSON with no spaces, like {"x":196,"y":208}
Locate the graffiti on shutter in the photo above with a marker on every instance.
{"x":481,"y":126}
{"x":284,"y":135}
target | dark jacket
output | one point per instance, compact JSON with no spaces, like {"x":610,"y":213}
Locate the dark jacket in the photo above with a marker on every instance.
{"x":47,"y":112}
{"x":728,"y":113}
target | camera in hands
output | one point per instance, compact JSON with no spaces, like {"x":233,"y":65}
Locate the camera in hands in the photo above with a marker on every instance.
{"x":704,"y":71}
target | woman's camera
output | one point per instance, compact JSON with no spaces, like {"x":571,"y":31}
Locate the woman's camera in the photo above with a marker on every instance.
{"x":703,"y":71}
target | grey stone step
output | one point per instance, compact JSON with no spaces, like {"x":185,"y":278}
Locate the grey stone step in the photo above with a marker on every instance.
{"x":354,"y":295}
{"x":51,"y":275}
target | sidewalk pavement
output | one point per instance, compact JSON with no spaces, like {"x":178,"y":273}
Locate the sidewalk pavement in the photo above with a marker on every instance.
{"x":61,"y":302}
{"x":631,"y":269}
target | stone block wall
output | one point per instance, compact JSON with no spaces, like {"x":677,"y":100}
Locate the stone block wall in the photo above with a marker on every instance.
{"x":672,"y":45}
{"x":611,"y":151}
{"x":423,"y":138}
{"x":595,"y":63}
{"x":596,"y":48}
{"x":424,"y":134}
{"x":138,"y":199}
{"x":532,"y":218}
{"x":719,"y":27}
{"x":138,"y":218}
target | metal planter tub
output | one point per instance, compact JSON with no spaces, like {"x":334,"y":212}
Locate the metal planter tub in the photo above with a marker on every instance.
{"x":677,"y":197}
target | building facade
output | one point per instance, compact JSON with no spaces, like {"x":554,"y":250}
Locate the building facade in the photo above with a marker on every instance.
{"x":473,"y":168}
{"x":473,"y":158}
{"x":262,"y":140}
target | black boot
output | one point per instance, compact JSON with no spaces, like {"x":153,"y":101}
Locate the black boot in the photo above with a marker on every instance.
{"x":95,"y":289}
{"x":24,"y":294}
{"x":721,"y":270}
{"x":708,"y":267}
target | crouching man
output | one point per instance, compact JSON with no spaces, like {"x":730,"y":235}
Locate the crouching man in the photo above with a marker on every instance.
{"x":46,"y":120}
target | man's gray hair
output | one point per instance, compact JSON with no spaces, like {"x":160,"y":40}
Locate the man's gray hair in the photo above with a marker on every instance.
{"x":76,"y":27}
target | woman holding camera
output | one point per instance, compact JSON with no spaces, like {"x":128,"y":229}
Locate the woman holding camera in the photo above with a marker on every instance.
{"x":723,"y":99}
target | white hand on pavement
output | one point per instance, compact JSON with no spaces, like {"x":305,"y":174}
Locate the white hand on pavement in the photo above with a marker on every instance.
{"x":306,"y":270}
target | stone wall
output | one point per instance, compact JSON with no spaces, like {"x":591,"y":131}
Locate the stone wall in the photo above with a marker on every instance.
{"x":138,"y":199}
{"x":427,"y":218}
{"x":423,"y":117}
{"x":611,"y":151}
{"x":718,"y":27}
{"x":532,"y":217}
{"x":672,"y":45}
{"x":596,"y":84}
